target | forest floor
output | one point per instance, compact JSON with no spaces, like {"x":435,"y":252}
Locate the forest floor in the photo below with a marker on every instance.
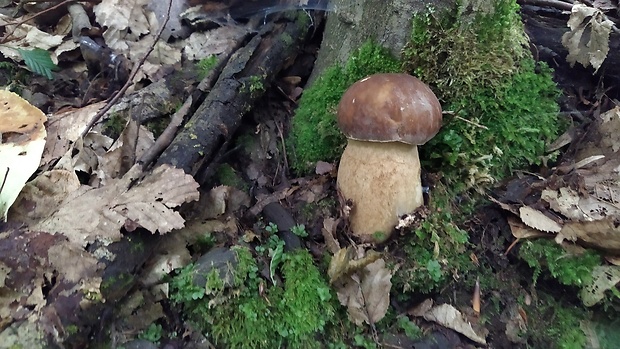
{"x":250,"y":197}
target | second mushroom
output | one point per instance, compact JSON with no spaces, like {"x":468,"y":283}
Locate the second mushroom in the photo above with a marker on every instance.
{"x":385,"y":117}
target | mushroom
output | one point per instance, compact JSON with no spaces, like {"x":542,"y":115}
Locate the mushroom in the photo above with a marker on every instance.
{"x":385,"y":117}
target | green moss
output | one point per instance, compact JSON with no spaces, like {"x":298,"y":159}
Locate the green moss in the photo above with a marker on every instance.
{"x":205,"y":65}
{"x":157,"y":125}
{"x":254,"y":314}
{"x":554,"y":324}
{"x":287,"y":39}
{"x":314,"y":134}
{"x":547,"y":258}
{"x":481,"y":68}
{"x":71,"y":329}
{"x":226,"y":175}
{"x":478,"y":63}
{"x":434,"y":251}
{"x":256,"y":83}
{"x":115,"y":284}
{"x":303,"y":19}
{"x":114,"y":125}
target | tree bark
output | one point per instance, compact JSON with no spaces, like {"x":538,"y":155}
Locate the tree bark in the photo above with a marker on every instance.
{"x":352,"y":23}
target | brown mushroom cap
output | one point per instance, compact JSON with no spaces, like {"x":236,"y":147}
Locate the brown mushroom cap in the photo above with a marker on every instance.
{"x":389,"y":108}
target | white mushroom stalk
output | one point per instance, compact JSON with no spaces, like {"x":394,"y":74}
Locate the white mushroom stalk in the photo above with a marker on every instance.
{"x":385,"y":117}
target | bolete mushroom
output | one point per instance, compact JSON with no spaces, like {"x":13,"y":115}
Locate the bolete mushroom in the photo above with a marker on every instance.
{"x":385,"y":117}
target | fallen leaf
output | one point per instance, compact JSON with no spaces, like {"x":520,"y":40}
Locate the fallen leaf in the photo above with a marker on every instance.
{"x":448,"y":316}
{"x":538,"y":220}
{"x":344,"y":263}
{"x":366,"y":294}
{"x":26,"y":36}
{"x":201,"y":45}
{"x":604,"y":278}
{"x":22,"y":140}
{"x":376,"y":285}
{"x":564,"y":201}
{"x":588,"y":39}
{"x":64,"y":128}
{"x":603,"y":234}
{"x":323,"y":167}
{"x":329,"y":234}
{"x":522,"y":231}
{"x":147,"y":201}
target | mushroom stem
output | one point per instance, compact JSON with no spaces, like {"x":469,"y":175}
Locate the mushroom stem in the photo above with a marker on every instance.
{"x":383,"y":182}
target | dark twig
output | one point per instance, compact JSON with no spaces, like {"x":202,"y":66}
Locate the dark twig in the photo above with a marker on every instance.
{"x":164,"y":140}
{"x":132,"y":75}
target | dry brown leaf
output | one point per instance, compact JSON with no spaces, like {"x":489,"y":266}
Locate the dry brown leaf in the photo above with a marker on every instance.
{"x":174,"y":26}
{"x":510,"y":208}
{"x":344,"y":262}
{"x":603,"y":234}
{"x":26,"y":36}
{"x":537,"y":220}
{"x":604,"y":278}
{"x":90,"y":214}
{"x":220,"y":200}
{"x":35,"y":259}
{"x":201,"y":45}
{"x":323,"y":167}
{"x":588,"y":39}
{"x":73,"y":264}
{"x":522,"y":231}
{"x":329,"y":234}
{"x":22,"y":140}
{"x":171,"y":253}
{"x":366,"y":294}
{"x":448,"y":316}
{"x":42,"y":195}
{"x":124,"y":152}
{"x":376,"y":285}
{"x":65,"y":128}
{"x":130,"y":30}
{"x":564,"y":201}
{"x":124,"y":20}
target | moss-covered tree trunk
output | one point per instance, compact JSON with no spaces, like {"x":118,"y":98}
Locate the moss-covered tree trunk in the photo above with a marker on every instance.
{"x":387,"y":23}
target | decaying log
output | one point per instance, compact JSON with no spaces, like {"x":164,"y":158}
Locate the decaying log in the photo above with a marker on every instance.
{"x":241,"y":84}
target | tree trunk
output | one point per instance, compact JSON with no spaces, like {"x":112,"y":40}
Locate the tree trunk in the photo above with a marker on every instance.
{"x":354,"y":22}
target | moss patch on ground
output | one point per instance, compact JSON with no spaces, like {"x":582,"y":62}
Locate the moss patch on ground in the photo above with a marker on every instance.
{"x":249,"y":313}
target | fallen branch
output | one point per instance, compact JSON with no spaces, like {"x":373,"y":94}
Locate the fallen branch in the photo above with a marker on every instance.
{"x":242,"y":82}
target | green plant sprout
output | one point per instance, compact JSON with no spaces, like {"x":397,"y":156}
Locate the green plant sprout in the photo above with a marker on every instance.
{"x":299,"y":230}
{"x":153,"y":333}
{"x":272,"y":228}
